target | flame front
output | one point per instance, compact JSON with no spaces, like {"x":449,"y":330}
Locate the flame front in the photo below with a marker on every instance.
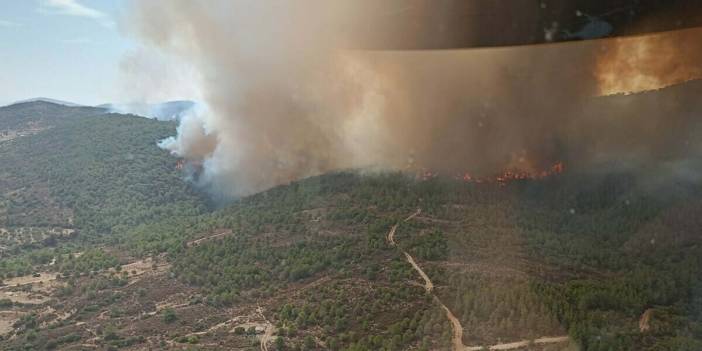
{"x":507,"y":176}
{"x":636,"y":64}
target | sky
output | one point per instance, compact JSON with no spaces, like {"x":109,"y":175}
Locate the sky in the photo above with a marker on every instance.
{"x":62,"y":49}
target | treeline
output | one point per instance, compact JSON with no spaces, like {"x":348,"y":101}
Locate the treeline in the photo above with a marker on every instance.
{"x":498,"y":308}
{"x":632,"y":251}
{"x":358,"y":316}
{"x":228,"y":267}
{"x":92,"y":260}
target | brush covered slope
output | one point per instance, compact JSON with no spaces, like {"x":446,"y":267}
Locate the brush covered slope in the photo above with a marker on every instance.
{"x":78,"y":172}
{"x":106,"y":246}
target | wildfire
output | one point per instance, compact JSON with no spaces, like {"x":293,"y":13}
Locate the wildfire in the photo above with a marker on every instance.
{"x":189,"y":167}
{"x":635,"y":64}
{"x":510,"y":175}
{"x":503,"y":178}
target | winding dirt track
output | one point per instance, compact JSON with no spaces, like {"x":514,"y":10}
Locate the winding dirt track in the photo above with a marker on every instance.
{"x":268,"y":334}
{"x":415,"y":214}
{"x":428,"y":285}
{"x":391,"y":235}
{"x":457,"y":339}
{"x":457,"y":328}
{"x":520,"y":344}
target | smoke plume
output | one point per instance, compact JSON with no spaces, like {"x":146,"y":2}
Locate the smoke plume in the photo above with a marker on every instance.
{"x":289,"y":95}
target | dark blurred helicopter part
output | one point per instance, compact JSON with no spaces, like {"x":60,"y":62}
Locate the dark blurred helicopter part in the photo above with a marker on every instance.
{"x":447,"y":24}
{"x":595,"y":28}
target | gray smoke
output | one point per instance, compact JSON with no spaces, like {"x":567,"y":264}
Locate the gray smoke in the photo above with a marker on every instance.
{"x":286,"y":98}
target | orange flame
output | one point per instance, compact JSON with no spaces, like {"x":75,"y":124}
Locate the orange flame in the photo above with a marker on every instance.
{"x":513,"y":174}
{"x":651,"y":62}
{"x":503,"y":178}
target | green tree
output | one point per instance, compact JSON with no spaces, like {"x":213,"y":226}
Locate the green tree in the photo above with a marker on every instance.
{"x":169,"y":316}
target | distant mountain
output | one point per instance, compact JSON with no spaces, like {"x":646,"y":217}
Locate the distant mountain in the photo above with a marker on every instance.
{"x":40,"y":114}
{"x":165,"y":111}
{"x":43,"y":99}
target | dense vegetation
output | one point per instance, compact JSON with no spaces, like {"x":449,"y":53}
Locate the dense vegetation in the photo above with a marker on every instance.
{"x":641,"y":252}
{"x":598,"y":257}
{"x":88,"y":177}
{"x":104,"y":170}
{"x":588,"y":255}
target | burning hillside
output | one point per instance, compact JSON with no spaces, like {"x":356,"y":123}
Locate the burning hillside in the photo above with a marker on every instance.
{"x":516,"y":174}
{"x":631,"y":65}
{"x":505,"y":177}
{"x":285,"y":100}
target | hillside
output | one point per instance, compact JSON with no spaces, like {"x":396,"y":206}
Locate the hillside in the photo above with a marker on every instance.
{"x":80,"y":172}
{"x":106,"y":246}
{"x":29,"y":118}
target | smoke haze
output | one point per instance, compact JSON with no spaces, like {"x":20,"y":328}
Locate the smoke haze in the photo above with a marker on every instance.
{"x":287,"y":98}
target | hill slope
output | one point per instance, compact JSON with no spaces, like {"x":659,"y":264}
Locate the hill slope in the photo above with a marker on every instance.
{"x":128,"y":255}
{"x":312,"y":263}
{"x":83,"y":171}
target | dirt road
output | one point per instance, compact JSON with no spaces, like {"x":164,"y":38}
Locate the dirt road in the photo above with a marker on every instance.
{"x":429,"y":287}
{"x":43,"y":277}
{"x":267,"y":336}
{"x":391,"y":235}
{"x":457,"y":328}
{"x":520,"y":344}
{"x":415,"y":214}
{"x":218,"y":234}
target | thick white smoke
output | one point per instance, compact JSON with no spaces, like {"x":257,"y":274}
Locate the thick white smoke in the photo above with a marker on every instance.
{"x":284,"y":101}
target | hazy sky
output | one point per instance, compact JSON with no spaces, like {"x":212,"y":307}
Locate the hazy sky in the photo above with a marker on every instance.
{"x":62,"y":49}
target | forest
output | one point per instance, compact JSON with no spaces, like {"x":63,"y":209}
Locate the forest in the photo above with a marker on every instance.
{"x":606,"y":259}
